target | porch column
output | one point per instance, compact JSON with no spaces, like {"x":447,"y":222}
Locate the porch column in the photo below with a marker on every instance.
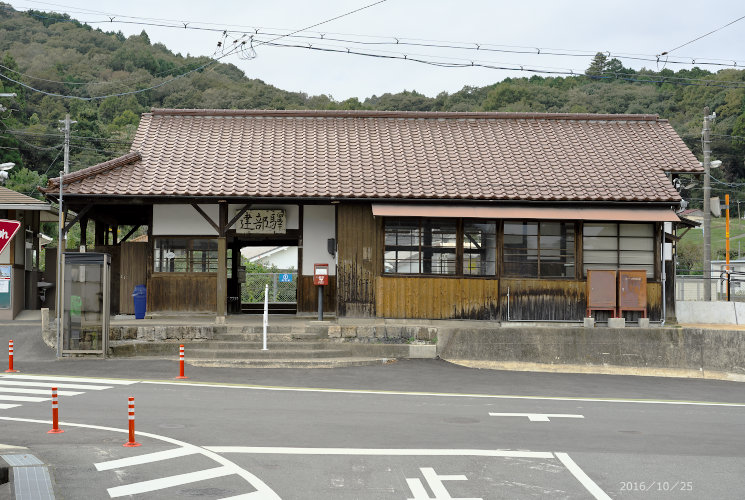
{"x":222,"y":264}
{"x":84,"y":233}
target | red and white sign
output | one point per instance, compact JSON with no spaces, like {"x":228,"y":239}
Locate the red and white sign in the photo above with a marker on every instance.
{"x":8,"y":229}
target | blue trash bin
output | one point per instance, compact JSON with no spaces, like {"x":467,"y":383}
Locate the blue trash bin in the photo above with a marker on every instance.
{"x":140,"y":298}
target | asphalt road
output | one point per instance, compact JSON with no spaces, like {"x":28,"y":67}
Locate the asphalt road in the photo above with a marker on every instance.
{"x":418,"y":429}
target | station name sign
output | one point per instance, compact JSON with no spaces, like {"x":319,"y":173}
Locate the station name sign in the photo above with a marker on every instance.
{"x":262,"y":221}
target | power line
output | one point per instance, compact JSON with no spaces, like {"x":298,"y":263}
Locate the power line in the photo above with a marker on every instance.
{"x":703,"y":36}
{"x":633,"y":77}
{"x":394,"y":40}
{"x":213,"y":61}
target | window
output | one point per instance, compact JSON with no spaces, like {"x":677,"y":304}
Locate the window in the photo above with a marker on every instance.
{"x":539,"y":249}
{"x":185,"y":255}
{"x":618,"y":246}
{"x":479,"y":248}
{"x":440,"y":247}
{"x":420,"y":246}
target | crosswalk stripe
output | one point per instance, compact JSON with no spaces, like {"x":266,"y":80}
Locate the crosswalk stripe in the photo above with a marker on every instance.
{"x":4,"y":382}
{"x":168,"y":482}
{"x":36,"y":391}
{"x":145,"y":459}
{"x":73,"y":379}
{"x":29,"y":399}
{"x":4,"y":406}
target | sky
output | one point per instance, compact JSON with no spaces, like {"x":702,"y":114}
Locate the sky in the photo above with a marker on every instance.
{"x":484,"y":31}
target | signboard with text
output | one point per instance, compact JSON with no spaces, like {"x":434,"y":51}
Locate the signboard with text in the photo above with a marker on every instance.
{"x":262,"y":221}
{"x":8,"y":229}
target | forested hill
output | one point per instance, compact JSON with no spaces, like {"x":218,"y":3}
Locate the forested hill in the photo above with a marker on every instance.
{"x":53,"y":53}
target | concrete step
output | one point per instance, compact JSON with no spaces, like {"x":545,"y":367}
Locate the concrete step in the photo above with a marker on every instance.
{"x":292,"y":363}
{"x":272,"y":344}
{"x":280,"y":328}
{"x":241,"y":354}
{"x":271,"y":337}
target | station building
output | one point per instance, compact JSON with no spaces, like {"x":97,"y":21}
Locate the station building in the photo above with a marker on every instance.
{"x":428,"y":215}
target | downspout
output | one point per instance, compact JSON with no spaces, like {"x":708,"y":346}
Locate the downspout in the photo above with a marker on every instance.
{"x":663,"y":276}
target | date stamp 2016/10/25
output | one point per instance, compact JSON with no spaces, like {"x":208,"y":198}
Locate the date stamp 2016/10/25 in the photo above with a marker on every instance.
{"x":657,"y":486}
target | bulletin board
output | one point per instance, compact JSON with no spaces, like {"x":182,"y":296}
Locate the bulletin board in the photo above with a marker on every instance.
{"x":5,"y":287}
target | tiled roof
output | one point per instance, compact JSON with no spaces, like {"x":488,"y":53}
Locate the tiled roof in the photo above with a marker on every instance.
{"x":394,"y":155}
{"x":8,"y":197}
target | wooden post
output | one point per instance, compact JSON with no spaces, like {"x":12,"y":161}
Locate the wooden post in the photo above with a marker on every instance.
{"x":84,"y":232}
{"x":222,"y":263}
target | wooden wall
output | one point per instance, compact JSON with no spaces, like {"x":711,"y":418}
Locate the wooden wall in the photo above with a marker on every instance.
{"x":359,"y":260}
{"x":307,"y":295}
{"x":436,"y":298}
{"x":190,"y":292}
{"x":534,"y":299}
{"x":654,"y":301}
{"x":114,"y":298}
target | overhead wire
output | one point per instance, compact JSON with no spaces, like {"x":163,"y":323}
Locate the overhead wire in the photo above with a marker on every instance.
{"x":400,"y":40}
{"x":211,"y":62}
{"x":703,"y":36}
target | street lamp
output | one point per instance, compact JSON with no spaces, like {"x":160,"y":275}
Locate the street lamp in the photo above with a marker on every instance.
{"x":4,"y":167}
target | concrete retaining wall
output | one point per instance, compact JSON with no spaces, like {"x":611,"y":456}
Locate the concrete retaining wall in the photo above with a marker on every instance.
{"x":687,"y":351}
{"x":711,"y":313}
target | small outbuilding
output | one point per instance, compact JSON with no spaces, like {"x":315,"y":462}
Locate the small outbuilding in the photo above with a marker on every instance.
{"x":22,"y":284}
{"x":416,"y":214}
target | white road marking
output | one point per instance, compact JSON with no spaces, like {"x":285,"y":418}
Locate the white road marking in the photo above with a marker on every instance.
{"x":537,"y":417}
{"x":259,"y":450}
{"x":145,"y":459}
{"x":5,"y":382}
{"x":28,"y":399}
{"x":169,"y":482}
{"x":449,"y":395}
{"x":108,"y":381}
{"x":263,"y":492}
{"x":16,"y":390}
{"x":434,"y":481}
{"x":4,"y":406}
{"x":583,"y":478}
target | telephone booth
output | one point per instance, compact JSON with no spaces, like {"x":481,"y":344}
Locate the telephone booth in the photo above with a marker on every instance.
{"x":85,"y":303}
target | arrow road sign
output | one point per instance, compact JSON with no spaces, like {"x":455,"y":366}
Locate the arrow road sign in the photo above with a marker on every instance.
{"x":8,"y":229}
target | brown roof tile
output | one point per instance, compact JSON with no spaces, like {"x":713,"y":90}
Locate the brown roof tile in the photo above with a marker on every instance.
{"x":382,"y":154}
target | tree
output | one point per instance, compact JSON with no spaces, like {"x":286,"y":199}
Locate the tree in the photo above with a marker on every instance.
{"x":26,"y":181}
{"x":598,"y":65}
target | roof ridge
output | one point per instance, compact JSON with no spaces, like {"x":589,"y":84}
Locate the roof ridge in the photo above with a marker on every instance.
{"x":310,"y":113}
{"x":93,"y":170}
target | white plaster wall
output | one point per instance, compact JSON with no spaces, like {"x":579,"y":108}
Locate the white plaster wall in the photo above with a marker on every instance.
{"x":183,"y":220}
{"x":292,"y":212}
{"x":319,"y":224}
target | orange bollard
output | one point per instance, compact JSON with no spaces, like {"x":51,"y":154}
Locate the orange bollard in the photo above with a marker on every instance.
{"x":131,"y":443}
{"x":181,"y":362}
{"x":10,"y":358}
{"x":55,"y":414}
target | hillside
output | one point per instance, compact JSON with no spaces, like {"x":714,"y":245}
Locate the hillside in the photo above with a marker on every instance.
{"x":56,"y":54}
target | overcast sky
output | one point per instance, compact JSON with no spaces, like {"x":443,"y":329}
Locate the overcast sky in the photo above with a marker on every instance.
{"x":644,"y":28}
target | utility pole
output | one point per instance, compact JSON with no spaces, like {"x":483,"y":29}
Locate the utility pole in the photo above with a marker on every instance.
{"x":62,"y":237}
{"x":707,"y":202}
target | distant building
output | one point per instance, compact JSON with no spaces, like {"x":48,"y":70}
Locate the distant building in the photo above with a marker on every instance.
{"x":283,"y":258}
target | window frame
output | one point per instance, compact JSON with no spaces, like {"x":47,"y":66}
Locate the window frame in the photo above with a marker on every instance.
{"x":618,"y":237}
{"x":189,"y":258}
{"x":538,"y":275}
{"x":458,"y":223}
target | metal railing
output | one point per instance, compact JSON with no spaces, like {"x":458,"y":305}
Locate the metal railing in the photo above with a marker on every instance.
{"x":725,"y":285}
{"x":282,"y":288}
